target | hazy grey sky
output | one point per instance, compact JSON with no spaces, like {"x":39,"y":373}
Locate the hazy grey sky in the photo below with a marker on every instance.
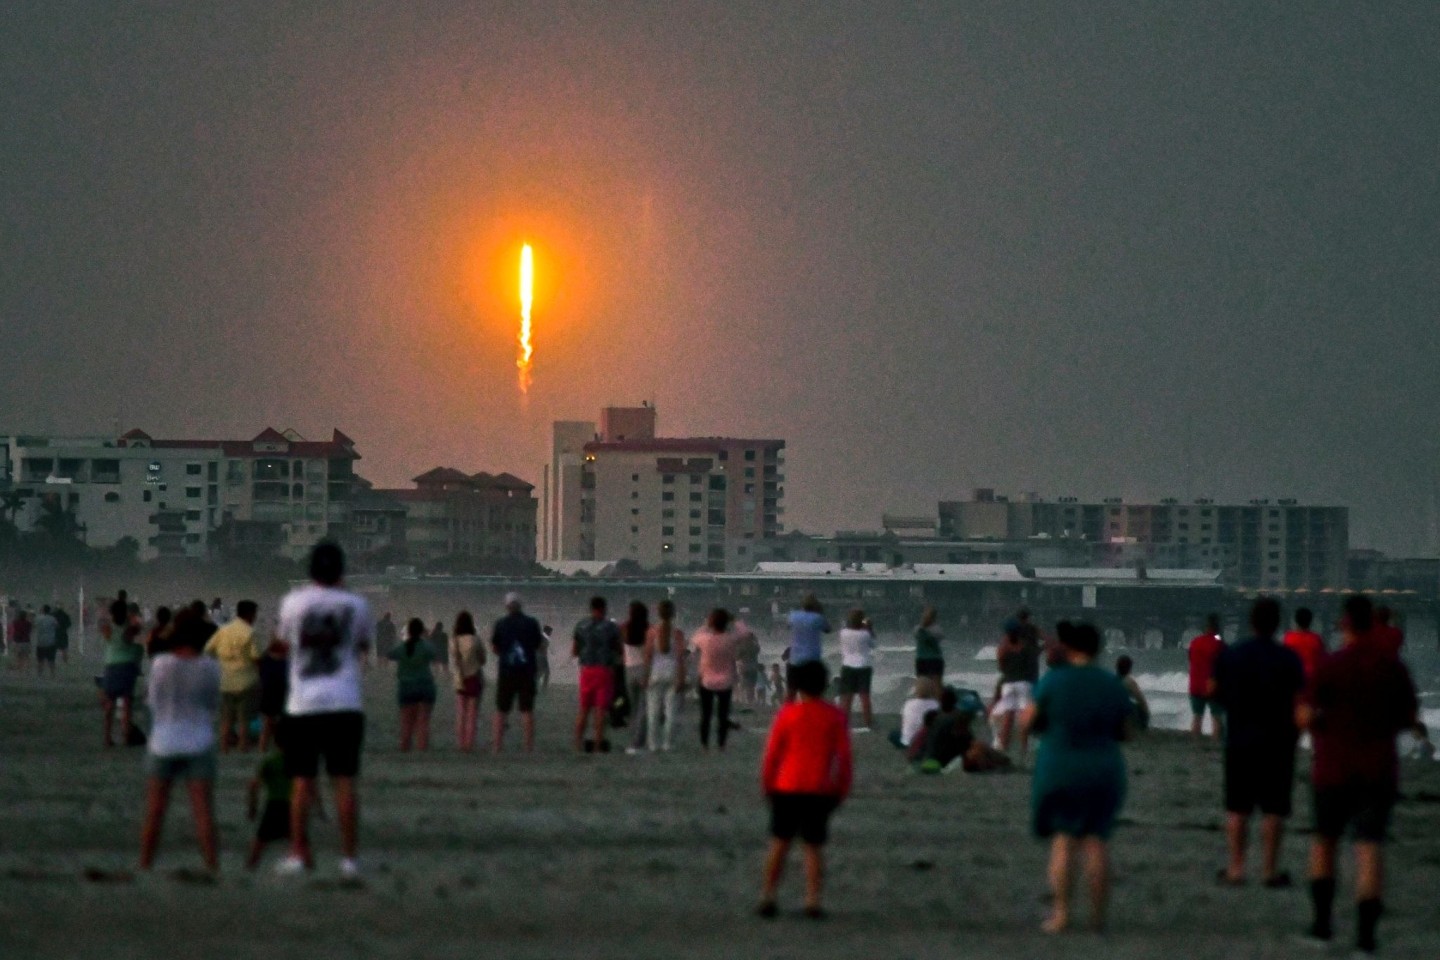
{"x":1127,"y":249}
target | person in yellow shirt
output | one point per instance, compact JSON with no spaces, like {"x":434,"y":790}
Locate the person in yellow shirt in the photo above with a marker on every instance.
{"x":235,"y":647}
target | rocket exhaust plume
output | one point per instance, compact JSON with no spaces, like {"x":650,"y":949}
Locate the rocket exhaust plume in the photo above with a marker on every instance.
{"x":527,"y":297}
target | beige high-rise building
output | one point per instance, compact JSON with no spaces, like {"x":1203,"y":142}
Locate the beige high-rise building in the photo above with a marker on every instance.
{"x":619,"y":492}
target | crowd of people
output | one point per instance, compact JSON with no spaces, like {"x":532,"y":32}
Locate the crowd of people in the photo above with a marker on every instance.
{"x":214,"y":686}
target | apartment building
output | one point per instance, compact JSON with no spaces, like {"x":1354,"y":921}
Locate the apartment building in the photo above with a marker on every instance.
{"x":617,"y":491}
{"x":477,"y":520}
{"x":1263,"y":545}
{"x":275,"y":493}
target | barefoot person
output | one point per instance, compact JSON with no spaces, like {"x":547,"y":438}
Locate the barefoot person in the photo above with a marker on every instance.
{"x":517,"y":641}
{"x":1204,"y":650}
{"x":467,"y":670}
{"x":1018,"y":656}
{"x":184,"y":694}
{"x":123,"y":654}
{"x":857,"y":667}
{"x":665,"y":672}
{"x":716,"y":645}
{"x":929,"y":658}
{"x":1258,"y":683}
{"x":234,"y":646}
{"x":633,"y":632}
{"x":1361,"y":698}
{"x":596,"y":645}
{"x":806,"y":775}
{"x":807,"y":629}
{"x":1079,"y":714}
{"x":329,"y":631}
{"x":46,"y":637}
{"x":415,"y":686}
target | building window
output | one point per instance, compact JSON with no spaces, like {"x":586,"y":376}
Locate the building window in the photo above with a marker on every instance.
{"x":193,"y":469}
{"x":695,"y":498}
{"x":695,"y":531}
{"x":634,"y":494}
{"x":717,"y":482}
{"x":145,"y":496}
{"x":749,"y":454}
{"x":634,"y":529}
{"x":724,"y":455}
{"x":668,"y":478}
{"x":193,"y":493}
{"x":667,"y":531}
{"x":666,"y":514}
{"x":694,"y":514}
{"x":113,"y":497}
{"x":749,"y":488}
{"x":694,"y":548}
{"x":634,"y":511}
{"x":192,"y":516}
{"x":668,"y":496}
{"x":749,"y":473}
{"x":634,"y":478}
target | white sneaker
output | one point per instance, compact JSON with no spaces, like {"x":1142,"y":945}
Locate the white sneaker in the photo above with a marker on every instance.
{"x":291,"y":866}
{"x":859,"y":729}
{"x":634,"y":751}
{"x":349,"y":869}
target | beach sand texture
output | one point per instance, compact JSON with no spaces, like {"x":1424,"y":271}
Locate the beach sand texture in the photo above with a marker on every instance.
{"x":554,"y":855}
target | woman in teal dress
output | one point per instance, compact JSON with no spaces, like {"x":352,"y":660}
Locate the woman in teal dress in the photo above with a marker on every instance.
{"x":1079,"y":714}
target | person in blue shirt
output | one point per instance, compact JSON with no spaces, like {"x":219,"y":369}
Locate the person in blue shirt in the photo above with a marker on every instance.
{"x":1079,"y":714}
{"x":807,"y":626}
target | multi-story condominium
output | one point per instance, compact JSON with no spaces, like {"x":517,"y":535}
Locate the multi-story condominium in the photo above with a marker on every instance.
{"x":1262,"y":545}
{"x":477,"y":520}
{"x":277,"y":493}
{"x":619,"y":492}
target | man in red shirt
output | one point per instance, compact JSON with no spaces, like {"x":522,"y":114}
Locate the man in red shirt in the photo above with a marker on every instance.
{"x":1306,"y":644}
{"x":1385,"y":636}
{"x":806,"y":774}
{"x":1205,"y":649}
{"x":1360,"y":700}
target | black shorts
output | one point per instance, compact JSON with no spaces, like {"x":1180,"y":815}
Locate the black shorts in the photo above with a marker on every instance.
{"x":337,"y":737}
{"x":1261,"y":777}
{"x":806,"y":815}
{"x":274,"y":822}
{"x":856,"y":680}
{"x":46,"y":654}
{"x":512,"y":686}
{"x":1363,"y":808}
{"x":930,"y":667}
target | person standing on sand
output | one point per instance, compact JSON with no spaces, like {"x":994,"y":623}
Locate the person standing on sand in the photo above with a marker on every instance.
{"x":517,"y":641}
{"x":1080,"y":714}
{"x":439,"y":643}
{"x":46,"y":638}
{"x":806,"y":774}
{"x":1305,"y":643}
{"x":235,"y":648}
{"x":386,"y":636}
{"x":929,"y":658}
{"x":747,"y":658}
{"x":1361,"y":698}
{"x":1258,"y":683}
{"x":1018,"y":656}
{"x":122,"y":669}
{"x":274,"y":671}
{"x":1385,"y":636}
{"x":329,"y":630}
{"x":20,"y":630}
{"x":414,"y":686}
{"x":716,"y":643}
{"x":857,"y":667}
{"x":596,"y":645}
{"x":1204,"y":650}
{"x":1124,"y":667}
{"x":807,"y":626}
{"x":184,"y":694}
{"x":467,"y":668}
{"x":633,"y":632}
{"x":62,"y":634}
{"x":665,"y":674}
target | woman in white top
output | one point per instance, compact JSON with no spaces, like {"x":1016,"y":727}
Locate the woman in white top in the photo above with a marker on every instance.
{"x":184,"y":696}
{"x":665,"y":670}
{"x":467,"y":669}
{"x":633,"y":633}
{"x":912,"y":715}
{"x":857,"y":666}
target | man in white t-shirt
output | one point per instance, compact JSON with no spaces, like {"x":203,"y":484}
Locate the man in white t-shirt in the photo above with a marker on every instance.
{"x":328,"y":630}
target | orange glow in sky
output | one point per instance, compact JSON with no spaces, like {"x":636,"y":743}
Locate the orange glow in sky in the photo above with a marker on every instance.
{"x":527,"y":299}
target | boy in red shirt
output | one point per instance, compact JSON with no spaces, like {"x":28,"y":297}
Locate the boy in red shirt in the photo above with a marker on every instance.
{"x":806,"y":775}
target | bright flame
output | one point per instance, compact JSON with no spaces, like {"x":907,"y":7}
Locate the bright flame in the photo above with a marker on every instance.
{"x":527,"y":297}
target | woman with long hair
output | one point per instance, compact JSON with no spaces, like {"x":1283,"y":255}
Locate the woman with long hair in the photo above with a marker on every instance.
{"x":467,"y":663}
{"x":123,"y":652}
{"x":415,"y":686}
{"x":1080,"y":714}
{"x":665,"y":675}
{"x":717,"y":645}
{"x":634,"y":631}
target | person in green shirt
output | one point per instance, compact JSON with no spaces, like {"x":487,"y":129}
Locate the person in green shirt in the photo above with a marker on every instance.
{"x":123,"y":654}
{"x":415,"y":686}
{"x":274,"y":784}
{"x":929,"y":660}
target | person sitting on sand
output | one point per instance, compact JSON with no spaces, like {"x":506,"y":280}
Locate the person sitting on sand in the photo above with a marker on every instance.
{"x":184,"y":697}
{"x":1258,"y":684}
{"x":924,"y":699}
{"x":1080,"y":714}
{"x":806,"y":775}
{"x":948,"y":743}
{"x":1140,"y":719}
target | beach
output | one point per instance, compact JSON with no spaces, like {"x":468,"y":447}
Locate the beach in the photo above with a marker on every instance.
{"x":555,"y":855}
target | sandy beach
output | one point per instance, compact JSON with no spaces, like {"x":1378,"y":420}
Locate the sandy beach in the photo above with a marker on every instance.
{"x":555,"y":855}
